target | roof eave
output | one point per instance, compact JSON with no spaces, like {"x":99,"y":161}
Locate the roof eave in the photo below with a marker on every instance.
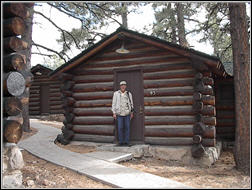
{"x":212,"y":62}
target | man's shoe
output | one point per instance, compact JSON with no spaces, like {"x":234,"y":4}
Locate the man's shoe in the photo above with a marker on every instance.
{"x":120,"y":144}
{"x":127,"y":144}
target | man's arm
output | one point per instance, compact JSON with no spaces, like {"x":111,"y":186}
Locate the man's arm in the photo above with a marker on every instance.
{"x":114,"y":105}
{"x":132,"y":106}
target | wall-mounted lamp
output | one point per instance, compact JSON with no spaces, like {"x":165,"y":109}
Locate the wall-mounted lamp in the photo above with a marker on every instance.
{"x":122,"y":49}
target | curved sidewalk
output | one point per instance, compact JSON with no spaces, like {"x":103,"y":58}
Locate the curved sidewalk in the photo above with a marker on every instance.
{"x":42,"y":145}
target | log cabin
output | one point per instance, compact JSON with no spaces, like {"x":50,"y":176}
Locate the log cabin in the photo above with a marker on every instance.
{"x":172,"y":86}
{"x":44,"y":93}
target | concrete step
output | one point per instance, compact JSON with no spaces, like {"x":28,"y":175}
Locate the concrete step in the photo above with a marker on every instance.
{"x":110,"y":156}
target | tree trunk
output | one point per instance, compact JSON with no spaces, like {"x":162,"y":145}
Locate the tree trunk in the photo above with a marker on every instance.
{"x":181,"y":25}
{"x":240,"y":46}
{"x":124,"y":16}
{"x":26,"y":72}
{"x":173,"y":26}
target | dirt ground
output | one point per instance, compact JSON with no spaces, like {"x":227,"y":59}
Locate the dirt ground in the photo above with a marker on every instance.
{"x":220,"y":175}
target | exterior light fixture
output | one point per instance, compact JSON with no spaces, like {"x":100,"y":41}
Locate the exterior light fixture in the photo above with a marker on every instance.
{"x":122,"y":49}
{"x":38,"y":73}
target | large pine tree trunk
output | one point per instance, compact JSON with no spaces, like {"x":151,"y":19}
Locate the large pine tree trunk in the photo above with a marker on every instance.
{"x":124,"y":15}
{"x":181,"y":25}
{"x":240,"y":45}
{"x":26,"y":72}
{"x":173,"y":21}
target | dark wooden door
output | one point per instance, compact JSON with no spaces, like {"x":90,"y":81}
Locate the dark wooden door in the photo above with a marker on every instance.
{"x":134,"y":79}
{"x":44,"y":99}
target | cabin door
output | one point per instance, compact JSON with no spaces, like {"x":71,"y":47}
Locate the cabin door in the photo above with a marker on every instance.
{"x":134,"y":79}
{"x":44,"y":99}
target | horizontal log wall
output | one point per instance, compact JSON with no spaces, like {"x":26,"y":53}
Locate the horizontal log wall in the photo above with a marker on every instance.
{"x":168,"y":95}
{"x":54,"y":96}
{"x":225,"y":109}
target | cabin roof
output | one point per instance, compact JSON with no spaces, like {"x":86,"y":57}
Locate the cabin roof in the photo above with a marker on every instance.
{"x":40,"y":67}
{"x":212,"y":62}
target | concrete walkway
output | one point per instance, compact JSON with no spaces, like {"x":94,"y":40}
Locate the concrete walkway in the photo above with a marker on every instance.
{"x":97,"y":166}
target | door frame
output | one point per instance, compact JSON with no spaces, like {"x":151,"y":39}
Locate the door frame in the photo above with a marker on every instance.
{"x":118,"y":70}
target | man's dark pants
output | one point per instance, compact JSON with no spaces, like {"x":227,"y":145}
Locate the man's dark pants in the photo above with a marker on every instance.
{"x":123,"y":122}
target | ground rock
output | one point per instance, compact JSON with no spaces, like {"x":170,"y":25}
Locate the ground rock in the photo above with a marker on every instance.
{"x":170,"y":153}
{"x":13,"y":156}
{"x":13,"y":179}
{"x":30,"y":183}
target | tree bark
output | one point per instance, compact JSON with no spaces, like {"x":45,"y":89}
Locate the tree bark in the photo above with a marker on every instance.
{"x":181,"y":25}
{"x":240,"y":46}
{"x":124,"y":16}
{"x":26,"y":72}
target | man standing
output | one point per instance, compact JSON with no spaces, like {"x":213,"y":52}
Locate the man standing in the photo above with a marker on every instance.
{"x":122,"y":108}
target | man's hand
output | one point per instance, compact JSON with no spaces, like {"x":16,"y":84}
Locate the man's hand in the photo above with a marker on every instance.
{"x":114,"y":116}
{"x":131,"y":115}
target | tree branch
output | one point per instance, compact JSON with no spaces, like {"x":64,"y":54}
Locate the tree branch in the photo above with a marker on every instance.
{"x":228,"y":47}
{"x":36,"y":53}
{"x":73,"y":16}
{"x":106,"y":14}
{"x":62,"y":30}
{"x":48,"y":49}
